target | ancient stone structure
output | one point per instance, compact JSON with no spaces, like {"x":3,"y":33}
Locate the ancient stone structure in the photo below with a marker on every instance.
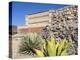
{"x":64,"y":22}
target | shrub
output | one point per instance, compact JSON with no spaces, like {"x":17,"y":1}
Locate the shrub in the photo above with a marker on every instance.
{"x":30,"y":41}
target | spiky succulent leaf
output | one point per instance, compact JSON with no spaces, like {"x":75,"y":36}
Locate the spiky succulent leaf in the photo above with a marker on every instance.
{"x":53,"y":40}
{"x":63,"y":52}
{"x":39,"y":53}
{"x":51,"y":49}
{"x":61,"y":46}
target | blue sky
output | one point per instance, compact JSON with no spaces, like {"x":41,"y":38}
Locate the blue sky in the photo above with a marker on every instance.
{"x":20,"y":9}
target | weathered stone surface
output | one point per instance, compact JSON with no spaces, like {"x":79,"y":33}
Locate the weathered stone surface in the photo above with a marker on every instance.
{"x":65,"y":22}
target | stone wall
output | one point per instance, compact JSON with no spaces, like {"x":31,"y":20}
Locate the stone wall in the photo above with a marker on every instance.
{"x":64,"y":23}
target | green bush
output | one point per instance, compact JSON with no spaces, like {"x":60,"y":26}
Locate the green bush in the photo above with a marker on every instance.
{"x":30,"y":41}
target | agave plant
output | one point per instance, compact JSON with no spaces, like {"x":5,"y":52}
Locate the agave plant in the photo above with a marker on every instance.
{"x":54,"y":48}
{"x":30,"y":41}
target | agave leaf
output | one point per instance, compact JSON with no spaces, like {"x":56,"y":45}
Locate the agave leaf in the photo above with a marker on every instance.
{"x":51,"y":49}
{"x":61,"y":46}
{"x":63,"y":53}
{"x":44,"y":46}
{"x":39,"y":53}
{"x":45,"y":49}
{"x":57,"y":46}
{"x":53,"y":40}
